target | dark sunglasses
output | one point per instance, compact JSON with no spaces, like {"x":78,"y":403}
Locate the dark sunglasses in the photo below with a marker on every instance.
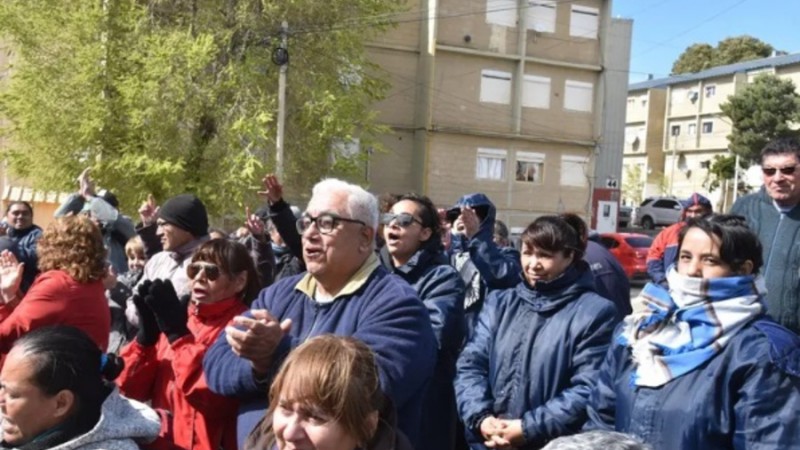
{"x":403,"y":220}
{"x":211,"y":270}
{"x":770,"y":171}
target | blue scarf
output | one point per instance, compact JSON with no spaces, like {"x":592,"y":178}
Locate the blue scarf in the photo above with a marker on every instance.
{"x":685,"y":327}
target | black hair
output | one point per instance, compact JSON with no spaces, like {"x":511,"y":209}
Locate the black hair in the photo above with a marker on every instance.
{"x":233,"y":258}
{"x":428,"y":213}
{"x":20,"y":202}
{"x":738,"y":243}
{"x":65,"y":358}
{"x":781,"y":146}
{"x":578,"y":224}
{"x":554,"y":234}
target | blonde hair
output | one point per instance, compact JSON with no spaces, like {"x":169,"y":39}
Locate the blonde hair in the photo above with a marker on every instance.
{"x":73,"y":244}
{"x":134,"y":247}
{"x":336,"y":374}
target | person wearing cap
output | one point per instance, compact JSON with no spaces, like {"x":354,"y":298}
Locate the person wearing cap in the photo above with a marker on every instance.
{"x":772,"y":213}
{"x":664,"y":249}
{"x":179,"y":227}
{"x":102,"y":207}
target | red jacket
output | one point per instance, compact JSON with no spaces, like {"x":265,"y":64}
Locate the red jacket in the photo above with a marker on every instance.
{"x":55,"y":298}
{"x":171,"y":377}
{"x":663,"y":252}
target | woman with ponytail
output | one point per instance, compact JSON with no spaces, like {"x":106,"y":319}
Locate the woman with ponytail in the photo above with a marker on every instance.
{"x":164,"y":364}
{"x":56,"y":395}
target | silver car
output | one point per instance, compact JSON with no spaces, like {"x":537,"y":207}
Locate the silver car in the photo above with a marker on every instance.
{"x":658,"y":211}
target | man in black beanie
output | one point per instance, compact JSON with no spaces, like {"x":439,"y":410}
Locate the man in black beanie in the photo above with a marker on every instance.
{"x":181,"y":226}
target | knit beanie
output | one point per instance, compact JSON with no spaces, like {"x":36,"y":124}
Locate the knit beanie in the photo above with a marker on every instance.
{"x":186,"y":212}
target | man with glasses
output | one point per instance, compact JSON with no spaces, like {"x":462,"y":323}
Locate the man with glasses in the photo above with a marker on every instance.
{"x":663,"y":251}
{"x":345,"y":292}
{"x":772,"y":214}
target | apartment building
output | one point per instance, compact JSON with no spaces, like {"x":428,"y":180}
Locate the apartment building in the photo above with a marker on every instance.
{"x":520,"y":99}
{"x":674,"y":126}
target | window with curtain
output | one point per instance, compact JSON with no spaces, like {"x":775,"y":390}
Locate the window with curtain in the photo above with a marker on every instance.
{"x":491,"y":164}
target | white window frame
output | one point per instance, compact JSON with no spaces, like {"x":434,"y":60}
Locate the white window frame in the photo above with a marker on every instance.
{"x":573,"y":167}
{"x":584,"y":22}
{"x":534,"y":158}
{"x":495,"y":87}
{"x":709,"y":128}
{"x":482,"y":173}
{"x":536,"y":91}
{"x":711,"y":90}
{"x":691,"y":129}
{"x":501,"y":12}
{"x":573,"y":88}
{"x":541,"y":16}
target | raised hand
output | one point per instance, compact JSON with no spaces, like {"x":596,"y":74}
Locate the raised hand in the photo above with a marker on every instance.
{"x":10,"y":276}
{"x":254,"y":224}
{"x":148,"y":212}
{"x":86,"y":184}
{"x":273,"y":189}
{"x":170,"y":314}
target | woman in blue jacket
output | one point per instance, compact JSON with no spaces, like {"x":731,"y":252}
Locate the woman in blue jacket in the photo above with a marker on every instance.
{"x":414,"y":252}
{"x":525,"y":376}
{"x":704,"y":367}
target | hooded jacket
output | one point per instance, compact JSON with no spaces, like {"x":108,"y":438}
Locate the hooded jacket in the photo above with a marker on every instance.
{"x":123,"y":423}
{"x":746,"y":397}
{"x":26,"y":241}
{"x":171,"y":377}
{"x":780,"y":237}
{"x":534,"y":356}
{"x":482,"y":264}
{"x":441,"y":290}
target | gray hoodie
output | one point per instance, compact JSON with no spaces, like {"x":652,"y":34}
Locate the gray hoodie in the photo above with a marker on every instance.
{"x":122,"y":421}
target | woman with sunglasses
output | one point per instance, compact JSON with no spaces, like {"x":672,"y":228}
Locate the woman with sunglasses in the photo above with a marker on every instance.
{"x":703,"y":366}
{"x":164,"y":364}
{"x":414,"y":252}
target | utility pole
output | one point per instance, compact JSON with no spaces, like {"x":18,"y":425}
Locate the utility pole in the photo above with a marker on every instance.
{"x":281,"y":57}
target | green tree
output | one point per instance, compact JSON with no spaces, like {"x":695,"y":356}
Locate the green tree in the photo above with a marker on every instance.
{"x":633,"y":184}
{"x":760,"y":112}
{"x":169,"y":97}
{"x":695,"y":58}
{"x":702,"y":56}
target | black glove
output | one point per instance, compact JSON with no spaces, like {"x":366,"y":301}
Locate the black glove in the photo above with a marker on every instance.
{"x":170,"y":314}
{"x":148,"y":327}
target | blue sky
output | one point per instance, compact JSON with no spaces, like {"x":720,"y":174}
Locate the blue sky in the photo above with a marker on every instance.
{"x":662,"y":29}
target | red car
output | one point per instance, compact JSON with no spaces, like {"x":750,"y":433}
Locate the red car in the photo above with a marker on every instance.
{"x":630,"y":249}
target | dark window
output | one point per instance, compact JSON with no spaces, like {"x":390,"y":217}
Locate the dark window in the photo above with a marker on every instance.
{"x":609,"y":242}
{"x":639,"y":242}
{"x":666,"y":204}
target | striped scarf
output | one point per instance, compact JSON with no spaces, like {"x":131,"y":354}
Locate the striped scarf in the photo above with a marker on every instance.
{"x":685,"y":327}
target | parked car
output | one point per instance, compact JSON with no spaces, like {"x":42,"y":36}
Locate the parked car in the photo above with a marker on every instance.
{"x":624,"y":216}
{"x":630,"y":249}
{"x":658,"y":211}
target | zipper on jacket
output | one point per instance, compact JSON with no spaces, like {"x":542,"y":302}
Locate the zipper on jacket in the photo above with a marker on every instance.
{"x":772,"y":245}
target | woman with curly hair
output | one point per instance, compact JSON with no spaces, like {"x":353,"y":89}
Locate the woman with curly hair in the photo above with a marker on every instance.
{"x":68,"y":291}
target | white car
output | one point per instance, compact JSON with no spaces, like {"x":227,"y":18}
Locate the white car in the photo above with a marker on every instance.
{"x":658,"y":211}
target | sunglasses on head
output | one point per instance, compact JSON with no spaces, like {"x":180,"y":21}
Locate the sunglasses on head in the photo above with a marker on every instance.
{"x":402,"y":220}
{"x":770,"y":171}
{"x":211,"y":270}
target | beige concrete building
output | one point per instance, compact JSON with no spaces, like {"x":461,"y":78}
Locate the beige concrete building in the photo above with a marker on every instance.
{"x":507,"y":98}
{"x":674,"y":126}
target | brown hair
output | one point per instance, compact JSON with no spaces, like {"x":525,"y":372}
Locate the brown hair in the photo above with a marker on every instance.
{"x":336,"y":374}
{"x":233,"y":259}
{"x":134,"y":247}
{"x":73,"y":244}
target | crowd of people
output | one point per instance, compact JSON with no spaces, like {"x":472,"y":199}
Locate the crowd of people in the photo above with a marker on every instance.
{"x":379,"y":324}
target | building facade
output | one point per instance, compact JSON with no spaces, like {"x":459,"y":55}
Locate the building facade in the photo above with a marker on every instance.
{"x":674,"y":128}
{"x":507,"y":98}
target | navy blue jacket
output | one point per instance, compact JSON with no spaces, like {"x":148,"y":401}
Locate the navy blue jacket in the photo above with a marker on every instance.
{"x":746,"y":397}
{"x":384,"y":312}
{"x":609,"y":277}
{"x":535,"y":355}
{"x":440,"y":288}
{"x":497,"y":268}
{"x":26,"y":241}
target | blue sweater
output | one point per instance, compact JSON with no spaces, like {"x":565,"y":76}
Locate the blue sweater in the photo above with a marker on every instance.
{"x":383,"y":311}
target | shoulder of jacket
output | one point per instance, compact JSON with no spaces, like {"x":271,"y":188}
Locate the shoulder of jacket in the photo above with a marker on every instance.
{"x":784,"y":346}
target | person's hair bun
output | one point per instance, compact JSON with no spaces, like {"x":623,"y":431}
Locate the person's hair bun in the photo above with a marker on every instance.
{"x":113,"y":367}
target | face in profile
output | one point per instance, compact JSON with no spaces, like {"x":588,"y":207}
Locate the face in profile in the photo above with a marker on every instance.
{"x":543,"y":265}
{"x":171,"y":235}
{"x":27,"y":410}
{"x":303,"y":426}
{"x":699,"y":256}
{"x":209,"y":283}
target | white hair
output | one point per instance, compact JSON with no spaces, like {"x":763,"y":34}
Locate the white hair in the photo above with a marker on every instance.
{"x":361,"y":205}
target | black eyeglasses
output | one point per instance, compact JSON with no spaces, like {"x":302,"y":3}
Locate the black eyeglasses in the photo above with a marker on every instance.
{"x":770,"y":171}
{"x":402,"y":220}
{"x":325,"y":223}
{"x":211,"y":270}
